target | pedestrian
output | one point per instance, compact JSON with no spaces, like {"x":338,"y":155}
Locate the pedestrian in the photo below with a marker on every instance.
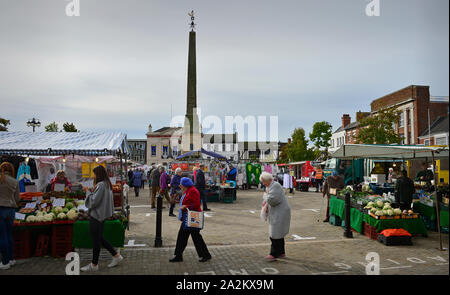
{"x":200,"y":185}
{"x":319,"y":179}
{"x":143,"y":179}
{"x":149,"y":177}
{"x":130,"y":177}
{"x":100,"y":204}
{"x":392,"y":176}
{"x":190,"y":200}
{"x":240,"y":180}
{"x":164,"y":181}
{"x":175,"y":190}
{"x":137,"y":181}
{"x":279,"y":214}
{"x":332,"y":184}
{"x":60,"y":179}
{"x":50,"y":176}
{"x":404,"y":191}
{"x":9,"y":200}
{"x":425,"y":175}
{"x":155,"y":184}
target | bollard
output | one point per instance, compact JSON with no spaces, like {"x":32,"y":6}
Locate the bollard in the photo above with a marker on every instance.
{"x":348,"y":231}
{"x":158,"y":239}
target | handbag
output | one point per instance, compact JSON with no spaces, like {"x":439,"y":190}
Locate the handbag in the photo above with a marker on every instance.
{"x":195,"y":220}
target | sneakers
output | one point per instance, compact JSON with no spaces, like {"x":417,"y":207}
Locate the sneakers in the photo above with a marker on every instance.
{"x":176,"y":259}
{"x":12,"y":262}
{"x":207,"y":209}
{"x":89,"y":267}
{"x":115,"y":261}
{"x":270,"y":258}
{"x":282,"y":256}
{"x":172,"y":215}
{"x":4,"y":267}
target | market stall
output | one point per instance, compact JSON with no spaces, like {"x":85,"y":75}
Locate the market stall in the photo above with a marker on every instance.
{"x":55,"y":222}
{"x":217,"y":187}
{"x":377,"y":214}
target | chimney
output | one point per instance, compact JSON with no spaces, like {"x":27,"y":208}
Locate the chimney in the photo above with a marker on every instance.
{"x":150,"y":128}
{"x":361,"y":115}
{"x":345,"y":120}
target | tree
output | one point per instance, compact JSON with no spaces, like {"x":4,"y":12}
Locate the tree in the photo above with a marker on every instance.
{"x":3,"y":124}
{"x":321,"y":135}
{"x":284,"y":158}
{"x":52,"y":127}
{"x":298,"y":149}
{"x":69,"y":127}
{"x":379,"y":129}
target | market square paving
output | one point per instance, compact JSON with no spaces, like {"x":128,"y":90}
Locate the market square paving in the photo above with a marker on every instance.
{"x":238,"y":241}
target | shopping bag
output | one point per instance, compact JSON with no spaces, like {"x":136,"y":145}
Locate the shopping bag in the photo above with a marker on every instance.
{"x":263,"y":214}
{"x":333,"y":191}
{"x":195,"y":219}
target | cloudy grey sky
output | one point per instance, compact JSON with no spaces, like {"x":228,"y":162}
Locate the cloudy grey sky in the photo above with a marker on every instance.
{"x":122,"y":65}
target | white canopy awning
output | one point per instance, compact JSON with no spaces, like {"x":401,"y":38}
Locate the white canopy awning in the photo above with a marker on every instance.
{"x":389,"y":152}
{"x":63,"y":143}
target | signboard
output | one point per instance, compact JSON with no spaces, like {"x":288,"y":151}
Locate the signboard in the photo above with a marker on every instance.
{"x":87,"y":169}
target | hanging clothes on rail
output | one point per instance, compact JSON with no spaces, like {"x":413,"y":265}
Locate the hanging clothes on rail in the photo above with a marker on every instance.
{"x":23,"y":176}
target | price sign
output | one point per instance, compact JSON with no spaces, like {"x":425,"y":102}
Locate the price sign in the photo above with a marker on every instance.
{"x":59,"y":202}
{"x":43,"y":205}
{"x":31,"y":205}
{"x":20,"y":216}
{"x":360,"y":202}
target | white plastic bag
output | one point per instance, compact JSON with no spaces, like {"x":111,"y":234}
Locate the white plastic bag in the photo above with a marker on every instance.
{"x":263,"y":214}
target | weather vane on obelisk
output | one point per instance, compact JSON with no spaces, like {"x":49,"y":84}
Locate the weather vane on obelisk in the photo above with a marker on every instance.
{"x":192,"y":20}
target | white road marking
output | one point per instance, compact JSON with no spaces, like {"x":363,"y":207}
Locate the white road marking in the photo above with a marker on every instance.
{"x":251,"y":211}
{"x":141,"y":206}
{"x":329,"y":272}
{"x":396,"y":267}
{"x":313,"y":210}
{"x":297,"y":238}
{"x":442,"y":263}
{"x":392,"y":261}
{"x":132,"y":244}
{"x":148,"y":214}
{"x":207,"y":215}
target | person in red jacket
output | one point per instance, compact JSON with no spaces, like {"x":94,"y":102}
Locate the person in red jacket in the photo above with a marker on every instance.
{"x":189,"y":200}
{"x":61,"y":179}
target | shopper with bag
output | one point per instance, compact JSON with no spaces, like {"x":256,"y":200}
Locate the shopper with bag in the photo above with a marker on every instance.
{"x":278,"y":212}
{"x":190,"y":200}
{"x":100,"y":204}
{"x":175,"y":190}
{"x":332,"y":185}
{"x":9,"y":200}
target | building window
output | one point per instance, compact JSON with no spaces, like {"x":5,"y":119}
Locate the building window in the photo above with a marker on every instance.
{"x":408,"y":118}
{"x":401,"y":120}
{"x":440,"y":140}
{"x":426,"y":142}
{"x":153,"y":150}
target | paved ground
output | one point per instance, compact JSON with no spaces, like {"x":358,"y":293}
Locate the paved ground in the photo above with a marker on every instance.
{"x":238,"y":241}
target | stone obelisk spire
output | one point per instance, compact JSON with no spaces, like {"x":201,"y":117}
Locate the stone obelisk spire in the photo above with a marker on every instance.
{"x":191,"y":139}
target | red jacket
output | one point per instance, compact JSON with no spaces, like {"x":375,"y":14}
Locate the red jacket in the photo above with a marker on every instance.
{"x":66,"y":183}
{"x":192,"y":199}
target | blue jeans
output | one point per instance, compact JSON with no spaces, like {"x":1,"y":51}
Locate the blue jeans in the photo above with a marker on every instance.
{"x":7,"y":216}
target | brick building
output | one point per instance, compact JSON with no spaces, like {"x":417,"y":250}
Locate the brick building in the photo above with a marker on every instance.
{"x":347,"y":132}
{"x":437,"y":134}
{"x":414,"y":104}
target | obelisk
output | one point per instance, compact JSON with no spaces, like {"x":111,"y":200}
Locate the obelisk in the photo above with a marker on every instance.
{"x":191,"y":139}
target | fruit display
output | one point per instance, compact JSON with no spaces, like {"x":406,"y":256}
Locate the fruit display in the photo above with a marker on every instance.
{"x":117,"y":188}
{"x":26,"y":210}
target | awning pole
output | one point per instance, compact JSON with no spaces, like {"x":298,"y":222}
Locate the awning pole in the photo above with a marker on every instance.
{"x":437,"y":203}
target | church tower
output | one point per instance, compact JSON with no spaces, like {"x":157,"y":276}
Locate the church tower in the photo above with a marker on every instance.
{"x":191,"y":138}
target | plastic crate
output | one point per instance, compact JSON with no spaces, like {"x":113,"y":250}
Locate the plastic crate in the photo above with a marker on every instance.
{"x":395,"y":241}
{"x":335,"y":220}
{"x":370,"y":231}
{"x":22,"y":243}
{"x":42,"y":246}
{"x":61,"y":241}
{"x":117,"y":200}
{"x":212,"y":197}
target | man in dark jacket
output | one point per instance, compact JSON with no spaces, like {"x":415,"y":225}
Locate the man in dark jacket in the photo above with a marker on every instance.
{"x":130,"y":177}
{"x":155,"y":185}
{"x":404,"y":190}
{"x":200,"y":185}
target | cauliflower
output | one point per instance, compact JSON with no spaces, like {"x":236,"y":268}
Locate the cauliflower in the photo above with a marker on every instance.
{"x":48,"y":217}
{"x":379,"y":213}
{"x":397,"y":211}
{"x":390,"y":212}
{"x":58,"y":210}
{"x":380,"y":204}
{"x":39,"y":213}
{"x":31,"y":218}
{"x":72,"y":215}
{"x":61,"y":216}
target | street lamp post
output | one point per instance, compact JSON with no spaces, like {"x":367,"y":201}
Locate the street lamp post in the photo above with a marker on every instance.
{"x":158,"y":239}
{"x":34,"y":123}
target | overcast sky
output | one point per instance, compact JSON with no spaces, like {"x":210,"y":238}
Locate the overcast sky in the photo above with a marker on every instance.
{"x":122,"y":65}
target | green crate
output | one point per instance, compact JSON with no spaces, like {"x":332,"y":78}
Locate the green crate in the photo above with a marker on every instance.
{"x":212,"y":197}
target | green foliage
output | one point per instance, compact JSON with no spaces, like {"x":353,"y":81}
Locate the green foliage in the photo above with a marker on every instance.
{"x":321,"y":135}
{"x":69,"y":127}
{"x":379,"y":129}
{"x":52,"y":127}
{"x":298,"y":149}
{"x":3,"y":124}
